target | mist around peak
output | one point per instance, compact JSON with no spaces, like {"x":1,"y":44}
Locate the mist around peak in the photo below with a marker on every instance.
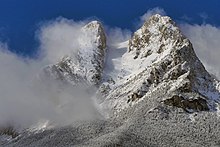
{"x":25,"y":100}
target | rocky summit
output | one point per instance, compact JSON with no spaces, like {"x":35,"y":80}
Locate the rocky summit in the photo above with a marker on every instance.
{"x":158,"y":93}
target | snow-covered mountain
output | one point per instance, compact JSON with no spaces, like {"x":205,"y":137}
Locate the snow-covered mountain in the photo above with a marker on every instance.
{"x":159,"y":57}
{"x":87,"y":66}
{"x":151,"y":89}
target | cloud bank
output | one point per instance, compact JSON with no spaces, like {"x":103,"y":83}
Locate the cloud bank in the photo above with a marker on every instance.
{"x":25,"y":99}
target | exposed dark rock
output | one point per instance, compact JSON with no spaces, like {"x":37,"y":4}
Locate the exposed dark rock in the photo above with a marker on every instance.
{"x":198,"y":104}
{"x":135,"y":96}
{"x":176,"y":72}
{"x":148,"y":53}
{"x":10,"y":131}
{"x":186,"y":87}
{"x":161,"y":49}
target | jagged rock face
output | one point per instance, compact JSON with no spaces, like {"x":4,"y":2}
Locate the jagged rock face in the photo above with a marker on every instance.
{"x":87,"y":66}
{"x":198,"y":104}
{"x":154,"y":36}
{"x":165,"y":61}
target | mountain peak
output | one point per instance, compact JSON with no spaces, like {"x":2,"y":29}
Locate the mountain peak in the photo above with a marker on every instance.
{"x":94,"y":24}
{"x":87,"y":65}
{"x":159,"y":31}
{"x":161,"y":58}
{"x":95,"y":30}
{"x":157,"y":18}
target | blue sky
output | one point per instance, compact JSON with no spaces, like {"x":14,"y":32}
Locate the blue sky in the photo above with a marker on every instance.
{"x":19,"y":19}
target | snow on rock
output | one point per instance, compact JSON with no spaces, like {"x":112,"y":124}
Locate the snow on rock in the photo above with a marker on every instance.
{"x":87,"y":65}
{"x":159,"y":56}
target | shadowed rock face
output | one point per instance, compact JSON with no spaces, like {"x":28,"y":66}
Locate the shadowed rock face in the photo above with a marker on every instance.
{"x":189,"y":105}
{"x":9,"y":131}
{"x":134,"y":97}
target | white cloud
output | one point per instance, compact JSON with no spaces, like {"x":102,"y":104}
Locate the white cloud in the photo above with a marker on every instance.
{"x":24,"y":99}
{"x":59,"y":38}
